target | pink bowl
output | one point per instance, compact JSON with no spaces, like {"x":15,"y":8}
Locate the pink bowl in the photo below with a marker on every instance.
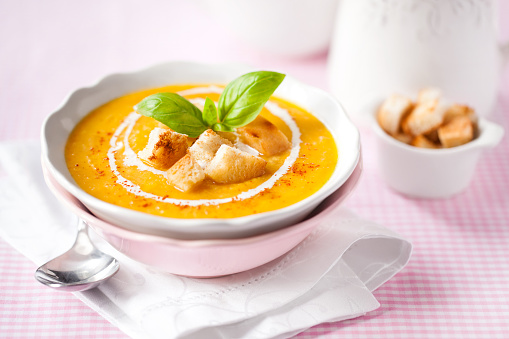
{"x":205,"y":258}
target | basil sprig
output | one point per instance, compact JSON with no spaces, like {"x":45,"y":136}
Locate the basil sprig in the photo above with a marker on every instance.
{"x":174,"y":111}
{"x":239,"y":104}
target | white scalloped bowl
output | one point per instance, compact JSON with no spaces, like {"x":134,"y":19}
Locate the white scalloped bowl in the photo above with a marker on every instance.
{"x":59,"y":124}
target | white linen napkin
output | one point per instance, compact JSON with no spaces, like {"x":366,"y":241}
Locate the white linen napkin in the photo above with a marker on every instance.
{"x":328,"y":277}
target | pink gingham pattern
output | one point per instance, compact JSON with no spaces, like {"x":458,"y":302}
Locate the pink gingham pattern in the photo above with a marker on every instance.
{"x":457,"y":282}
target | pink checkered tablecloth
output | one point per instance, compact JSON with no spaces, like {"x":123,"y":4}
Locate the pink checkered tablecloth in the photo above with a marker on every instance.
{"x":457,"y":282}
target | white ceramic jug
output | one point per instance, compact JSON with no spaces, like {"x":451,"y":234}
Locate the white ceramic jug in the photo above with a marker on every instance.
{"x":385,"y":46}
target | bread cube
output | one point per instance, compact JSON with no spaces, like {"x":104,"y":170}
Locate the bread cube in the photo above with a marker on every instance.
{"x":429,"y":95}
{"x":230,"y":136}
{"x":205,"y":148}
{"x":424,"y":118}
{"x":231,"y":165}
{"x":423,"y":142}
{"x":459,"y":110}
{"x":185,"y":174}
{"x":433,"y":136}
{"x":164,"y":148}
{"x":392,"y":111}
{"x":405,"y":138}
{"x":458,"y":131}
{"x":264,"y":136}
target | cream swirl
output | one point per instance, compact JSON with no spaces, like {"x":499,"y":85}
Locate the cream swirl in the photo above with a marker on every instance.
{"x":131,"y":159}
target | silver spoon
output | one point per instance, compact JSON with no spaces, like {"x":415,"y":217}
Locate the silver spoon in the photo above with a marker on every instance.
{"x":81,"y":268}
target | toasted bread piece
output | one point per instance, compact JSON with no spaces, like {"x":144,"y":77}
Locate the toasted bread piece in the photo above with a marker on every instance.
{"x":205,"y":148}
{"x":185,"y":174}
{"x":457,"y":110}
{"x":424,"y":118}
{"x":264,"y":136}
{"x":407,"y":139}
{"x":164,"y":148}
{"x":423,"y":142}
{"x":190,"y":140}
{"x":231,"y":165}
{"x":392,"y":111}
{"x":231,"y":136}
{"x":430,"y":95}
{"x":458,"y":131}
{"x":433,"y":136}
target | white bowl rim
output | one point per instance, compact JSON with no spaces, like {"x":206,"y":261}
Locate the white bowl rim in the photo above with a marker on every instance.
{"x":187,"y":225}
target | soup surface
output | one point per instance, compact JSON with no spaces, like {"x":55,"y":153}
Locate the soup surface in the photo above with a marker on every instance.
{"x":101,"y":157}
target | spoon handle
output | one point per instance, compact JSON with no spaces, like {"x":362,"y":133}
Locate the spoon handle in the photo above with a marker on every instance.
{"x":83,"y":245}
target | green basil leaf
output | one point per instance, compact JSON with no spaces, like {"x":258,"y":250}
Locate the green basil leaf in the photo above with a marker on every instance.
{"x":174,"y":111}
{"x":209,"y":112}
{"x":222,"y":128}
{"x":243,"y":98}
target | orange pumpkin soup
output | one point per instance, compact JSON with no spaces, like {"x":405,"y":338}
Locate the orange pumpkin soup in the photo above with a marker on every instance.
{"x":101,"y":154}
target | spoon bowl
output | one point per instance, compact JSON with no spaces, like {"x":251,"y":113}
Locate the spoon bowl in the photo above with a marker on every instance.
{"x":81,"y":268}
